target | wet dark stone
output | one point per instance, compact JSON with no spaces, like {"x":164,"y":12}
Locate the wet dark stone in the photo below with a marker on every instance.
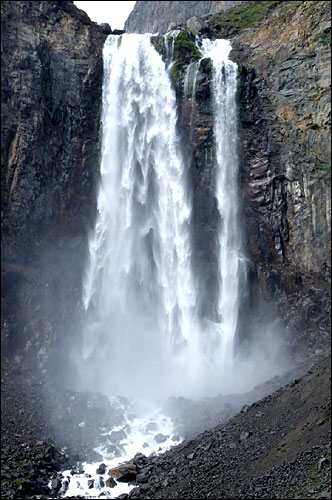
{"x":160,"y":438}
{"x":117,"y":436}
{"x":101,"y":469}
{"x":110,"y":483}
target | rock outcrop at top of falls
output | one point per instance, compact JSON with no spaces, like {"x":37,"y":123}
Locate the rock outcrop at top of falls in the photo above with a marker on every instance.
{"x":156,"y":17}
{"x":51,"y":99}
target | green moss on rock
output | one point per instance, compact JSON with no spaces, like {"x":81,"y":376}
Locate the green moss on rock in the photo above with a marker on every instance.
{"x":185,"y":47}
{"x":247,"y":15}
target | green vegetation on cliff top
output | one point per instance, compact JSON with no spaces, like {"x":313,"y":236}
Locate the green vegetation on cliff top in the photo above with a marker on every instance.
{"x":246,"y":15}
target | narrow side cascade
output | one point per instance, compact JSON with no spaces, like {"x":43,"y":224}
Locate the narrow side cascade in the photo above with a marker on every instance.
{"x":231,"y":260}
{"x":142,"y":335}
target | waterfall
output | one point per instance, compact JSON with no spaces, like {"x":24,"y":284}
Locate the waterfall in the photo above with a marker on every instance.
{"x":138,"y":291}
{"x":231,"y":262}
{"x":144,"y":337}
{"x":141,"y":332}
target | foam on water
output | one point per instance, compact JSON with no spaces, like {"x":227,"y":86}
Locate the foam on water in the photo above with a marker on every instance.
{"x":140,"y":438}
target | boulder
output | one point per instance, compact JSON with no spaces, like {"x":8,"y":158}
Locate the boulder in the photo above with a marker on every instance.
{"x":101,"y":469}
{"x":195,"y":25}
{"x":124,"y":473}
{"x":107,"y":30}
{"x":160,"y":438}
{"x":110,"y":483}
{"x":152,"y":426}
{"x":171,"y":27}
{"x":117,"y":436}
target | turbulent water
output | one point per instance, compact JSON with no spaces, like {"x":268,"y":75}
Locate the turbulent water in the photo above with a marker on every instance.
{"x":142,"y":334}
{"x":139,"y":292}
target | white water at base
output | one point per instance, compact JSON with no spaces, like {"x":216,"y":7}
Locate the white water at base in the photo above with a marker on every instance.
{"x":139,"y":440}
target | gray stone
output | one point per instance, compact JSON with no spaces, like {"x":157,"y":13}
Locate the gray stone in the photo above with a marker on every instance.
{"x":160,"y":438}
{"x":117,"y":436}
{"x":110,"y":483}
{"x":245,"y":435}
{"x":194,"y":25}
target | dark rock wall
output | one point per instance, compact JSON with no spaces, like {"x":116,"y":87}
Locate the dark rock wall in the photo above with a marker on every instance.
{"x":285,"y":118}
{"x":51,"y":94}
{"x":51,"y":98}
{"x":155,"y":17}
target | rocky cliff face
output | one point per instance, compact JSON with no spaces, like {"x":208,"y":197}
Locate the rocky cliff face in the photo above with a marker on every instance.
{"x":51,"y":81}
{"x":285,"y":113}
{"x":51,"y":96}
{"x":155,"y":17}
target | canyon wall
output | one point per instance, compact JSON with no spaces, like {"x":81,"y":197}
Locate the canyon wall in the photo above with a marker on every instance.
{"x":155,"y":17}
{"x":283,"y":50}
{"x":51,"y":97}
{"x":51,"y":102}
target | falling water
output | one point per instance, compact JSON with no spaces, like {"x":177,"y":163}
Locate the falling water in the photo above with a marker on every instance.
{"x":138,"y":291}
{"x":231,"y":262}
{"x":142,"y":335}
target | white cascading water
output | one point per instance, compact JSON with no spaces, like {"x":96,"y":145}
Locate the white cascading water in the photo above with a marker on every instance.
{"x":142,"y":335}
{"x":231,"y":262}
{"x":138,"y":292}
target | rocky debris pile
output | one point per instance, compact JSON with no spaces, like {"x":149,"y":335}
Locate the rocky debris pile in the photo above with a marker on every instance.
{"x":27,"y":470}
{"x":45,"y":430}
{"x":278,"y":447}
{"x":74,"y":420}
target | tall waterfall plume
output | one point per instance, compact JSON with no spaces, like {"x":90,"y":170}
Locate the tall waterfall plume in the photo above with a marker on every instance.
{"x":138,"y":290}
{"x":142,"y":336}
